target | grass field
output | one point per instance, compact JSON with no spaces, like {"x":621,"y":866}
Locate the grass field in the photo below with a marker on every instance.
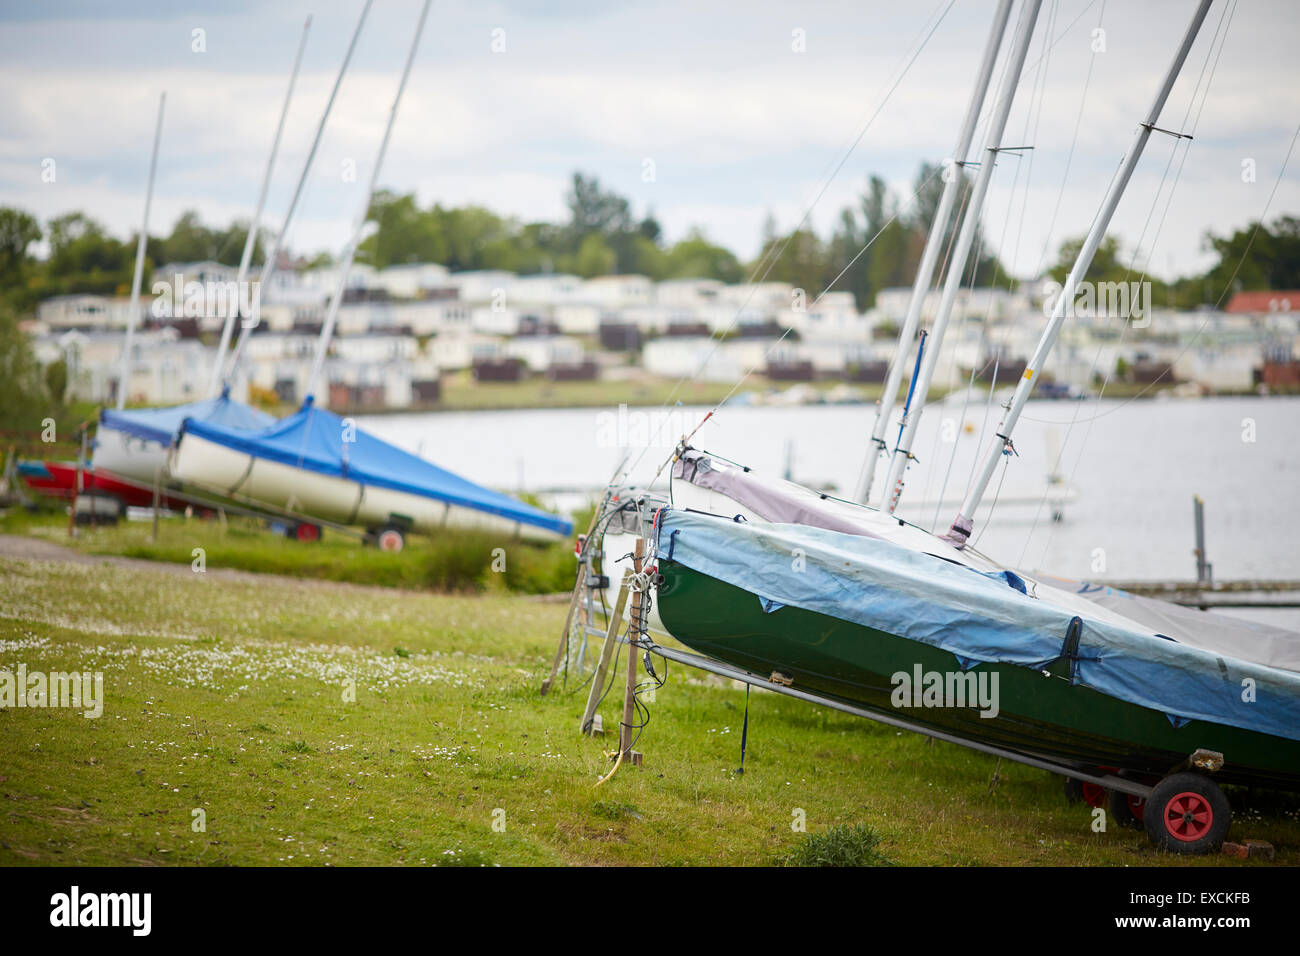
{"x":454,"y":561}
{"x":320,"y":723}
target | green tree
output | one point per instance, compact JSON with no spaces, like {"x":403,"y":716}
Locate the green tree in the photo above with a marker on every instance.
{"x":56,"y":381}
{"x":594,"y":258}
{"x":696,"y":258}
{"x":84,"y":258}
{"x":18,"y":230}
{"x":23,"y":400}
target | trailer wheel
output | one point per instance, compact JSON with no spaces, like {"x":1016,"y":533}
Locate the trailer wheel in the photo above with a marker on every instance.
{"x":1187,"y":813}
{"x":390,"y":539}
{"x":306,"y":531}
{"x":1127,"y":809}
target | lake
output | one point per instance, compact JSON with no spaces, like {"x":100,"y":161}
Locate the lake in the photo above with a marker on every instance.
{"x":1134,"y":467}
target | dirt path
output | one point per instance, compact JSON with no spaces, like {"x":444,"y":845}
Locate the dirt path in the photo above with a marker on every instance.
{"x":25,"y":548}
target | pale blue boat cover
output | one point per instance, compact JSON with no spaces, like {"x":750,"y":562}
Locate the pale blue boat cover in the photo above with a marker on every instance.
{"x":978,"y":617}
{"x":314,"y":438}
{"x":164,"y":424}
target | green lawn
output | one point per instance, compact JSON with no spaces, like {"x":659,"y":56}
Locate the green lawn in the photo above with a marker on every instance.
{"x":453,"y":561}
{"x":319,"y":724}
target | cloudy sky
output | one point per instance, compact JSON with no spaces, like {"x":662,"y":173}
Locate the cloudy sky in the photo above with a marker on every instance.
{"x":737,"y":122}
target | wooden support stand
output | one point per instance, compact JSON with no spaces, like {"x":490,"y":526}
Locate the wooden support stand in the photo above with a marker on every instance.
{"x":578,"y":589}
{"x":606,"y":655}
{"x":568,"y":623}
{"x":629,"y":694}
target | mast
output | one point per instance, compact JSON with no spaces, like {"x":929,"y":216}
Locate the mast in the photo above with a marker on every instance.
{"x":930,"y":256}
{"x":250,"y":241}
{"x":138,"y":277}
{"x":1001,"y":444}
{"x":268,"y":266}
{"x":327,"y":330}
{"x":965,"y":239}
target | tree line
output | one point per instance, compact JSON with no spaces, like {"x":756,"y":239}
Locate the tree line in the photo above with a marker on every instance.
{"x":875,"y":244}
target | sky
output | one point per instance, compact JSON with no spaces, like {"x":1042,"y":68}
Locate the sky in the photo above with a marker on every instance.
{"x":710,"y":115}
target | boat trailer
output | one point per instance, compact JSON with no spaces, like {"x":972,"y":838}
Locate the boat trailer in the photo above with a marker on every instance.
{"x":1203,"y":761}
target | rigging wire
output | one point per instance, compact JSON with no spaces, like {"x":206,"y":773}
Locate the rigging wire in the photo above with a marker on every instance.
{"x":1037,"y":117}
{"x":1219,"y":38}
{"x":1033,"y":116}
{"x":1228,"y":288}
{"x":777,"y":341}
{"x":769,"y":261}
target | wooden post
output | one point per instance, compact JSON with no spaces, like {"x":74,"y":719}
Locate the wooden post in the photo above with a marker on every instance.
{"x":606,"y":654}
{"x":1203,"y":568}
{"x":634,"y":635}
{"x":157,"y":494}
{"x":77,"y":488}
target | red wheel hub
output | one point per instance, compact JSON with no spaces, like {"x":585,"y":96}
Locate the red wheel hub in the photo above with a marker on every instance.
{"x":1137,"y":805}
{"x":1188,"y":816}
{"x":1094,"y":795}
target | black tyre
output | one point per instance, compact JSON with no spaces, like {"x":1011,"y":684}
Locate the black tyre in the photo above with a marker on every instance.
{"x":1127,"y":809}
{"x":1187,"y":813}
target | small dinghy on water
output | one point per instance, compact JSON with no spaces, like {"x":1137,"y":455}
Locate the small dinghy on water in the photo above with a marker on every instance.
{"x":318,"y":464}
{"x":851,"y":607}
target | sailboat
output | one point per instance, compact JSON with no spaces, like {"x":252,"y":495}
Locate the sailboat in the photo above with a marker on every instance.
{"x":319,"y":465}
{"x":852,"y":607}
{"x":131,"y":444}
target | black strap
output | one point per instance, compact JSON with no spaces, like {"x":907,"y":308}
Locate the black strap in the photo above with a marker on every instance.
{"x":1070,"y":649}
{"x":744,"y":732}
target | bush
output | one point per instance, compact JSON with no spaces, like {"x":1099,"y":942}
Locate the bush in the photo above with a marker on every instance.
{"x":840,"y":845}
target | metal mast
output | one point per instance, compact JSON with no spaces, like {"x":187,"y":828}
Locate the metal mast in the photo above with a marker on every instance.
{"x":965,"y":239}
{"x":930,"y":256}
{"x":138,"y":278}
{"x":250,"y":242}
{"x":327,"y":330}
{"x":1001,"y":444}
{"x":273,"y":253}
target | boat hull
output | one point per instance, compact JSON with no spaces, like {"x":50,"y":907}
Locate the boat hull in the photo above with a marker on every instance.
{"x":1038,"y":715}
{"x":138,"y":459}
{"x":59,"y":480}
{"x":226,"y":471}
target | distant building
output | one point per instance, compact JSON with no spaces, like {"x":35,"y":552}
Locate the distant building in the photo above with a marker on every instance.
{"x":1282,"y":300}
{"x":86,"y":312}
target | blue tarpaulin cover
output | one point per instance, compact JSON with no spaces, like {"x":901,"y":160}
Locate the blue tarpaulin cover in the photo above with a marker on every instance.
{"x":313,"y":438}
{"x":978,"y":617}
{"x":163,"y":424}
